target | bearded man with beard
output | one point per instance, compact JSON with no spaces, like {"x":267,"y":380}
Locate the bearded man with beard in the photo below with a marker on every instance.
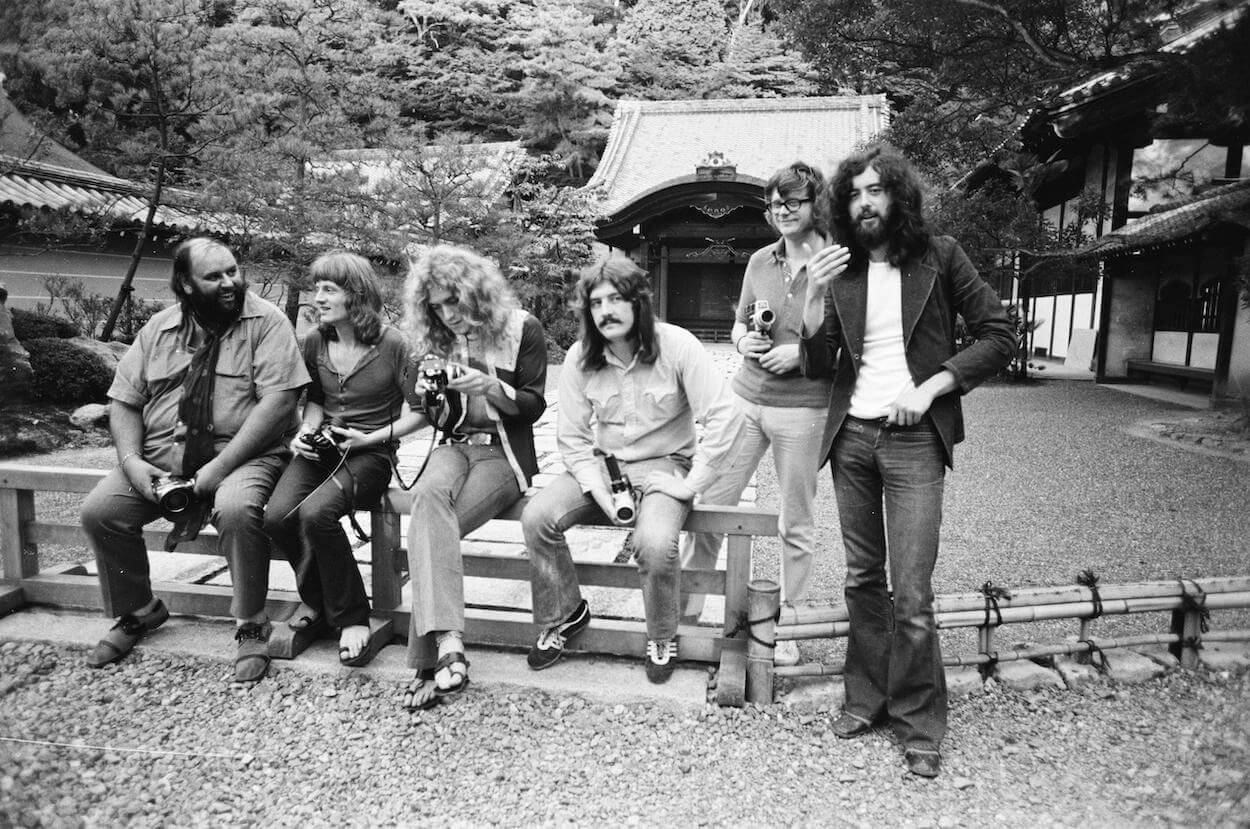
{"x":206,"y":395}
{"x":880,"y":320}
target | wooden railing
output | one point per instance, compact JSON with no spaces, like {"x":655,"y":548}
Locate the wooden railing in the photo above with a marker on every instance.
{"x":21,"y":533}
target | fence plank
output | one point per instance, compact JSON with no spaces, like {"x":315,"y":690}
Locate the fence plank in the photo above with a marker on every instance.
{"x":19,"y":553}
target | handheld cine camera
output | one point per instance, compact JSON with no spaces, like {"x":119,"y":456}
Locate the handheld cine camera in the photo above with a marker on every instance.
{"x":322,"y":442}
{"x":435,"y":374}
{"x":174,"y":493}
{"x":762,"y":317}
{"x":623,"y":510}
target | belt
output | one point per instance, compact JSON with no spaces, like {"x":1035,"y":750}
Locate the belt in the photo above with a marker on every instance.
{"x":884,"y":423}
{"x":474,"y":439}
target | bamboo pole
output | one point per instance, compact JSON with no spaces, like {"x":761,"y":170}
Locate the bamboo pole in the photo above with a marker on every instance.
{"x":763,"y":599}
{"x":829,"y":611}
{"x":1039,"y":652}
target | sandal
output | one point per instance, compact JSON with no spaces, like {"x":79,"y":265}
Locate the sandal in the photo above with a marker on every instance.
{"x":445,"y":663}
{"x":304,"y":618}
{"x":422,"y":683}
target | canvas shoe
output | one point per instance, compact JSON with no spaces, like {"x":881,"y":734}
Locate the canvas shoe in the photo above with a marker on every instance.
{"x":661,"y":656}
{"x":550,"y":645}
{"x":122,"y":637}
{"x":252,"y":662}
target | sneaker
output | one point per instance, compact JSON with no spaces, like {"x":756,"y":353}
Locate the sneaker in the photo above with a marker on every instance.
{"x":252,"y":662}
{"x":660,"y":656}
{"x":550,"y":645}
{"x":786,"y":653}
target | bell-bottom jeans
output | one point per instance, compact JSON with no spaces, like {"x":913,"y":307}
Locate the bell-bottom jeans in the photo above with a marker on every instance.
{"x":888,"y":481}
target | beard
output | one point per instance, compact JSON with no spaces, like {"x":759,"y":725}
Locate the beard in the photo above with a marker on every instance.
{"x":874,"y":236}
{"x":211,"y":314}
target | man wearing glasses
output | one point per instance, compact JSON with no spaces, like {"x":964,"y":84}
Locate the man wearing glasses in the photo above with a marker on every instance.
{"x":779,"y":406}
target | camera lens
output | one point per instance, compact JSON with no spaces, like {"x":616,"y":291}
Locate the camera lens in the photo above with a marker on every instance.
{"x":176,"y":500}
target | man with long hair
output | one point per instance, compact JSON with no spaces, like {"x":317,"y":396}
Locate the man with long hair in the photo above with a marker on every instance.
{"x":880,"y":320}
{"x":481,"y":382}
{"x":356,"y":412}
{"x":779,"y":406}
{"x":631,"y":388}
{"x":205,"y":396}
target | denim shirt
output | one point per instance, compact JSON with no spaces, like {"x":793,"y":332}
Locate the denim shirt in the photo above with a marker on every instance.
{"x":641,"y":411}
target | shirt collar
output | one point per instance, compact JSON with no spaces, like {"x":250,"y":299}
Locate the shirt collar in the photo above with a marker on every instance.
{"x":779,"y":248}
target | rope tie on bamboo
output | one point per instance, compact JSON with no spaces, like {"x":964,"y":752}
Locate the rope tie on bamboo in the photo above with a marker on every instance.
{"x":992,"y":594}
{"x":749,"y":626}
{"x":1094,"y":651}
{"x":1087,"y":578}
{"x":1196,"y":602}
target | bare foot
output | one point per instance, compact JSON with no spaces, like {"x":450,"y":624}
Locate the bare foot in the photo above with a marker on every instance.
{"x":303,"y":617}
{"x":352,"y":640}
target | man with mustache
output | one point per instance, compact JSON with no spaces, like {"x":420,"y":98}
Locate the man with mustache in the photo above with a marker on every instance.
{"x":631,"y":387}
{"x":880,"y":320}
{"x":206,"y":394}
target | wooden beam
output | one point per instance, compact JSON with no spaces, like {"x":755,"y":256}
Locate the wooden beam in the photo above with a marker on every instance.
{"x":19,"y":554}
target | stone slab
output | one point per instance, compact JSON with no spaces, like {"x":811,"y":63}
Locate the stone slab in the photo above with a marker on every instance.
{"x":1160,"y":656}
{"x":1225,"y":656}
{"x":1129,"y":666}
{"x":1074,"y":673}
{"x":814,"y":694}
{"x":603,"y":679}
{"x":964,"y":681}
{"x":1023,"y":675}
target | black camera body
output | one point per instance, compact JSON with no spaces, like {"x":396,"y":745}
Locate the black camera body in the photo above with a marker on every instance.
{"x":762,"y":317}
{"x":174,"y":493}
{"x":322,"y":442}
{"x":623,"y":508}
{"x":435,"y":374}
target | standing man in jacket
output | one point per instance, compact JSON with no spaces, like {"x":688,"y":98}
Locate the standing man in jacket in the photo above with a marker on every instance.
{"x":880,"y":320}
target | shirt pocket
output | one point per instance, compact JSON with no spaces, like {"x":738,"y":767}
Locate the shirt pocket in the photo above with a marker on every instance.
{"x":234,"y":372}
{"x":605,"y":400}
{"x":661,"y":397}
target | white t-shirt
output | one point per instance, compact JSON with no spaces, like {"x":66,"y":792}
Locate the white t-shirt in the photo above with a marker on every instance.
{"x":883,"y":373}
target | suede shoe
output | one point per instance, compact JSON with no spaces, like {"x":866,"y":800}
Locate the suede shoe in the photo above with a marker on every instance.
{"x":661,"y":654}
{"x":252,"y":662}
{"x":848,"y":726}
{"x":550,"y":645}
{"x":122,"y":637}
{"x":922,"y":762}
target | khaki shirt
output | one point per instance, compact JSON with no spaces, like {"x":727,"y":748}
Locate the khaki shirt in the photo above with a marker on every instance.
{"x":259,"y":356}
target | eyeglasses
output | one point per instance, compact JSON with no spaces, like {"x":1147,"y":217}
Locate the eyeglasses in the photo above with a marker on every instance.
{"x":789,"y":204}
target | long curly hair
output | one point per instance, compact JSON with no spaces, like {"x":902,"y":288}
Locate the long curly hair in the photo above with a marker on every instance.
{"x":907,"y":233}
{"x":360,"y":286}
{"x":481,"y":291}
{"x":631,"y":282}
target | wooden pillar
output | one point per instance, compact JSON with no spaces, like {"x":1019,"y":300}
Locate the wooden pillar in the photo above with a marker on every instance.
{"x":384,"y":527}
{"x":763,"y":600}
{"x":18,"y":554}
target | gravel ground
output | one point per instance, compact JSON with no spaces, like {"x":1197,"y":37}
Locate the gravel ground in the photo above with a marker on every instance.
{"x":1048,"y":483}
{"x":156,"y":741}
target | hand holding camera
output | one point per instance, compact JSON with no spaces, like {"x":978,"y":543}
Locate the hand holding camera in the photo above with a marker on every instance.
{"x":762,"y":317}
{"x":174,"y":493}
{"x":434,"y":377}
{"x":323,"y":444}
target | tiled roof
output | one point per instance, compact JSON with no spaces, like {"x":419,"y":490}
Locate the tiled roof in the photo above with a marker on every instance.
{"x":653,"y":142}
{"x":37,"y":172}
{"x":1217,"y":15}
{"x":1229,"y":202}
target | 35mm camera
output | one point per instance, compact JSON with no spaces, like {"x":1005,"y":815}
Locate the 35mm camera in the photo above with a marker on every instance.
{"x":174,"y":493}
{"x":436,"y":373}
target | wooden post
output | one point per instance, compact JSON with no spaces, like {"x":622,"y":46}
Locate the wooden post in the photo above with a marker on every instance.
{"x":763,"y":600}
{"x":384,"y":527}
{"x":18,"y":553}
{"x":1084,"y":657}
{"x":737,"y":574}
{"x":1188,"y":625}
{"x":985,"y":645}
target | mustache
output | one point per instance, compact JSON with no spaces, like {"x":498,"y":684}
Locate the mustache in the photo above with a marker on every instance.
{"x":608,"y":319}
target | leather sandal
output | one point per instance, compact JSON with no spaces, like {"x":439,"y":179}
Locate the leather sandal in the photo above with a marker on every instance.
{"x":445,"y":663}
{"x":361,"y":659}
{"x":421,"y":684}
{"x":121,"y":638}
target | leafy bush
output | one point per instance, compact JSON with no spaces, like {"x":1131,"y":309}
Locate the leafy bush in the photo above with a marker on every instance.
{"x":65,"y":372}
{"x":32,"y":325}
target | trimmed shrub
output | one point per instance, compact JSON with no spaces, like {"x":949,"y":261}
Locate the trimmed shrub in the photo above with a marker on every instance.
{"x":32,"y":325}
{"x":65,"y":372}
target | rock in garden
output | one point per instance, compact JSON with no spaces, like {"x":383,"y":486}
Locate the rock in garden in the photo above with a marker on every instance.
{"x":90,"y":416}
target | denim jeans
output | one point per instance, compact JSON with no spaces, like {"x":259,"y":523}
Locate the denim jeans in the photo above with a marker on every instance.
{"x":303,"y":520}
{"x":792,"y":431}
{"x":462,"y":487}
{"x":889,"y":482}
{"x":114,"y":515}
{"x":562,"y":504}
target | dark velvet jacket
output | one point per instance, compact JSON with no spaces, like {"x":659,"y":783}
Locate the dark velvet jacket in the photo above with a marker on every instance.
{"x":935,"y":288}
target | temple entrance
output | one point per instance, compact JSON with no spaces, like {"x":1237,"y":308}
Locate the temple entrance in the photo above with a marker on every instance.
{"x":702,"y":297}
